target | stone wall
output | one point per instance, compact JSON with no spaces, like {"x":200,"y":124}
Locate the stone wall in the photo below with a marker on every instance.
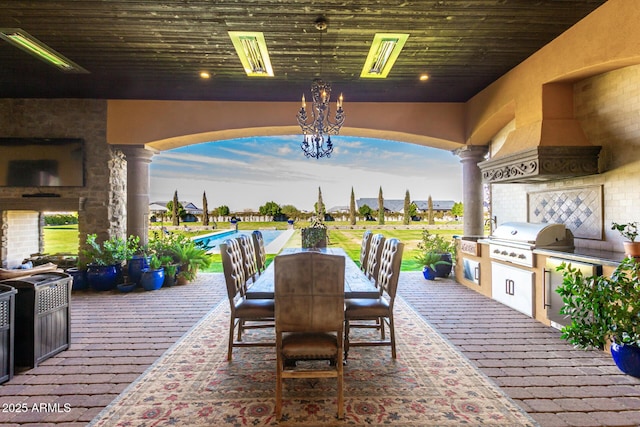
{"x":608,"y":110}
{"x":101,"y":203}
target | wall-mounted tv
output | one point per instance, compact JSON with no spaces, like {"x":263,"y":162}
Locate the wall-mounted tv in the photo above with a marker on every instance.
{"x":41,"y":162}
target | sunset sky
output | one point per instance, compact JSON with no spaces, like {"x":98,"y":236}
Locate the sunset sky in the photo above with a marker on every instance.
{"x":246,"y":173}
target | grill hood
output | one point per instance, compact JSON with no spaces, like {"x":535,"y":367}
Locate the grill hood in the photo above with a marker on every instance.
{"x":542,"y":235}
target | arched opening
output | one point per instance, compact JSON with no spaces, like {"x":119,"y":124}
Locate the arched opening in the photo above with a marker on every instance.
{"x":244,"y":173}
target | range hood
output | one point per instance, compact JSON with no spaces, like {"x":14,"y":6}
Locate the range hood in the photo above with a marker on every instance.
{"x":545,"y":151}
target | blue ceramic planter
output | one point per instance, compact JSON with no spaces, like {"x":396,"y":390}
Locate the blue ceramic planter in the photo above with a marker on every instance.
{"x":429,"y":273}
{"x":135,"y":267}
{"x":127,"y":287}
{"x":102,"y":277}
{"x":627,"y":357}
{"x":80,"y":281}
{"x":152,"y":280}
{"x":443,"y":270}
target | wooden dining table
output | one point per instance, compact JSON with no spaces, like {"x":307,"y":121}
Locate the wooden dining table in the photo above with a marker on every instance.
{"x":356,"y":284}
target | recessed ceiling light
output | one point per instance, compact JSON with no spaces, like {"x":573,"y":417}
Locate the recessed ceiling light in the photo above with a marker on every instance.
{"x":23,"y":40}
{"x":424,"y":77}
{"x":252,"y":51}
{"x":204,"y":74}
{"x":383,"y":53}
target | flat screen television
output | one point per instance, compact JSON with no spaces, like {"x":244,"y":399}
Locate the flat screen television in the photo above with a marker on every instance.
{"x":41,"y":162}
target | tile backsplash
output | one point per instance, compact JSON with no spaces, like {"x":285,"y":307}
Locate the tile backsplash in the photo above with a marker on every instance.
{"x":580,"y":209}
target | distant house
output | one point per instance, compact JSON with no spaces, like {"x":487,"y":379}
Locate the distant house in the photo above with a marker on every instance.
{"x":438,"y":205}
{"x":190,"y":209}
{"x":390,"y":205}
{"x":339,"y":209}
{"x":397,"y":205}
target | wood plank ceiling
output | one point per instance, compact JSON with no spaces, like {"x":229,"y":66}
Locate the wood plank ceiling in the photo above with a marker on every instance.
{"x":137,"y":49}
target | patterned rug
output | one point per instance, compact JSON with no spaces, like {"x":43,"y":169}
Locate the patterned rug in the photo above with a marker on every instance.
{"x":429,"y":384}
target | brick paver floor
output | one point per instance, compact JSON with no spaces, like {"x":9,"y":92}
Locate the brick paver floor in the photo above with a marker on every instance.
{"x":116,"y":337}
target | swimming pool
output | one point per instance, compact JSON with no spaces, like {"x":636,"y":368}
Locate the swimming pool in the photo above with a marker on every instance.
{"x":212,"y":241}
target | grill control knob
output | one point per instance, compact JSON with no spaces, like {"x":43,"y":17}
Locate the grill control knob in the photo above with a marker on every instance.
{"x":513,"y":254}
{"x":521,"y":256}
{"x":504,"y":253}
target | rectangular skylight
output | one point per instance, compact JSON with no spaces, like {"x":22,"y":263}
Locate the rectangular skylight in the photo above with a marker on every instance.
{"x":383,"y":53}
{"x":26,"y":42}
{"x":252,"y":51}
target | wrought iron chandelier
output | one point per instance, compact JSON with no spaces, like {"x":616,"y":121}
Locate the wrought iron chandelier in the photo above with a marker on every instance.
{"x":317,"y":132}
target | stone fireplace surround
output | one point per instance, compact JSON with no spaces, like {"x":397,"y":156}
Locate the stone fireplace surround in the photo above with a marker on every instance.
{"x":100,"y":203}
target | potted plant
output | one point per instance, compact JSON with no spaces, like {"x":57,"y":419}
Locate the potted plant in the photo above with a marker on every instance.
{"x":170,"y":270}
{"x":153,"y":277}
{"x":79,"y":275}
{"x":435,"y":243}
{"x":138,"y":261}
{"x":604,"y":310}
{"x":315,"y":236}
{"x":430,"y":262}
{"x":104,"y":268}
{"x":630,"y":232}
{"x":190,"y":258}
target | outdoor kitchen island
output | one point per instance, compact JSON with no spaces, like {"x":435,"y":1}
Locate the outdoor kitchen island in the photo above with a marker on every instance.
{"x":521,"y":273}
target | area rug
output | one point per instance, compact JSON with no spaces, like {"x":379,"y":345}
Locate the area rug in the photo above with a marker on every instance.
{"x":429,"y":384}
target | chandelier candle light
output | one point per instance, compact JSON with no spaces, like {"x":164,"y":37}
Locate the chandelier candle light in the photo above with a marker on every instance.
{"x":317,"y":132}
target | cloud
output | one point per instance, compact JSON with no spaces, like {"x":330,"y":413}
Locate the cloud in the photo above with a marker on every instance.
{"x":248,"y":172}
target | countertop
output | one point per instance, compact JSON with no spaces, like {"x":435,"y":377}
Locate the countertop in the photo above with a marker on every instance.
{"x":592,"y":256}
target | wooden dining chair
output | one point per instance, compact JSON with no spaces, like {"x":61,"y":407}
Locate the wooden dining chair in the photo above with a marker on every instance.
{"x":364,"y":249}
{"x":367,"y":309}
{"x":248,"y":257}
{"x":261,"y":254}
{"x":309,"y":294}
{"x":259,"y":313}
{"x":373,"y":257}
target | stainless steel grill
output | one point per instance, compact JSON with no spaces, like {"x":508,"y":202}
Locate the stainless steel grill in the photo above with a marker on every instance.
{"x":514,"y":242}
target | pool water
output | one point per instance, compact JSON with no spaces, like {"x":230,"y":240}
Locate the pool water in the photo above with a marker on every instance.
{"x":212,"y":241}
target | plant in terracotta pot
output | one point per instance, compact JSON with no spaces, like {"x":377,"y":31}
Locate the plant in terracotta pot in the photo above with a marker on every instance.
{"x":604,"y":310}
{"x":190,"y":257}
{"x":630,"y":232}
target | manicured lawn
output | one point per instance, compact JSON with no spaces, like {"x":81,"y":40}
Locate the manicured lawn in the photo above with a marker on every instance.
{"x":61,"y":239}
{"x":65,"y":239}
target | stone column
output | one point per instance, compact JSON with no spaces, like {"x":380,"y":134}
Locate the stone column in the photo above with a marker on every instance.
{"x":472,"y":192}
{"x":138,"y":160}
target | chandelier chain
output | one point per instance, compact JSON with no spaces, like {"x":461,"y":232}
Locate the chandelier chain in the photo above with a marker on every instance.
{"x":318,"y":128}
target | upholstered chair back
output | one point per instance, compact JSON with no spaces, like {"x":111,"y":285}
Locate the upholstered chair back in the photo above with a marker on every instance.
{"x":309,"y":292}
{"x":233,"y":266}
{"x":390,"y":262}
{"x":373,"y":258}
{"x":261,"y":254}
{"x":364,"y":249}
{"x":248,"y":256}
